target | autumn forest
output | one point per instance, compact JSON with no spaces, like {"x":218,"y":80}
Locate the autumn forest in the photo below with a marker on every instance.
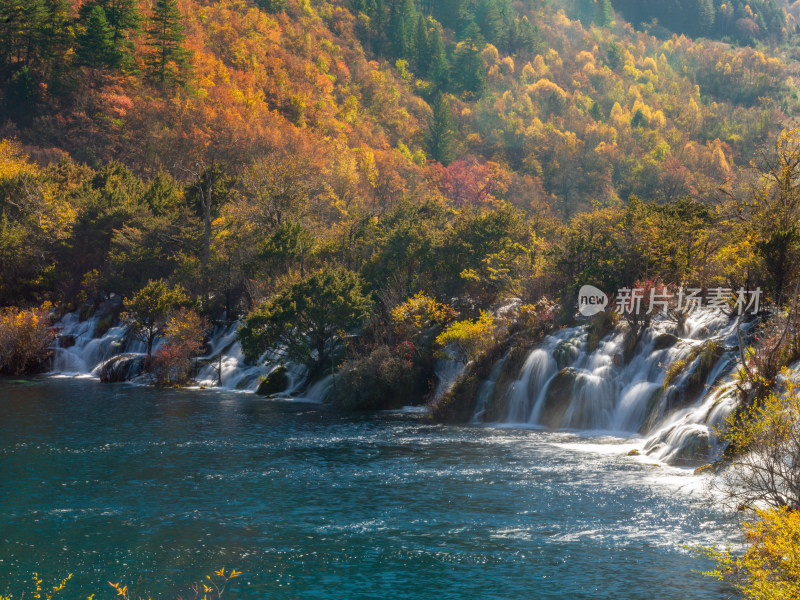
{"x":367,"y":190}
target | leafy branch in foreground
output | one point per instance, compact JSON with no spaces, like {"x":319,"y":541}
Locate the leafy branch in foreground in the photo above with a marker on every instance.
{"x":212,"y":588}
{"x":770,"y":568}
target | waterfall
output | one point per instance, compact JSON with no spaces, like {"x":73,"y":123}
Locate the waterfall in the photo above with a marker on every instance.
{"x":564,"y":385}
{"x":82,"y":348}
{"x":79,"y":351}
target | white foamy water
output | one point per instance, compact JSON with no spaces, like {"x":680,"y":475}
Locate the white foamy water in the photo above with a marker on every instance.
{"x":563,"y":385}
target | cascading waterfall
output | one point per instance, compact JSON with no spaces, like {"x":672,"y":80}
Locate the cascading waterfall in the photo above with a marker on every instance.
{"x":79,"y":351}
{"x":118,"y":356}
{"x":563,"y":385}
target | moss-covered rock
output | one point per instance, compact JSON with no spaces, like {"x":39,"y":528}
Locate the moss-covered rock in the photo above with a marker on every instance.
{"x":274,"y":383}
{"x":458,"y":404}
{"x":653,"y":413}
{"x":601,"y":325}
{"x":696,"y":448}
{"x":566,"y":351}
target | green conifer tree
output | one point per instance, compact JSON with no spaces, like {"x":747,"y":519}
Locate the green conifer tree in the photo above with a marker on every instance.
{"x":438,"y":66}
{"x":441,"y":132}
{"x":96,"y":43}
{"x":423,"y":56}
{"x":167,"y":63}
{"x":604,"y":14}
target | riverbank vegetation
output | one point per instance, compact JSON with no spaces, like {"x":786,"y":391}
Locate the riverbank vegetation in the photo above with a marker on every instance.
{"x":762,"y":481}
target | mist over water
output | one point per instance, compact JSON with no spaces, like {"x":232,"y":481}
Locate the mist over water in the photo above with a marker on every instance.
{"x":118,"y":482}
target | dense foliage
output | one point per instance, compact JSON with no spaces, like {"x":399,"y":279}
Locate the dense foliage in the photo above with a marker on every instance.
{"x":25,"y":338}
{"x":465,"y":151}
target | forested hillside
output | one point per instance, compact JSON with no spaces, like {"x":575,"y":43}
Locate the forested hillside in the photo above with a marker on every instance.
{"x":223,"y":144}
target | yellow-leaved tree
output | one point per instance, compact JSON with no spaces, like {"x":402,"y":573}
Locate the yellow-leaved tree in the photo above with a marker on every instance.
{"x":469,"y":339}
{"x":33,"y":219}
{"x":764,"y":476}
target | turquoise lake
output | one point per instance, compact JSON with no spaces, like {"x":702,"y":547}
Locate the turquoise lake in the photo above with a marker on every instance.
{"x":158,"y":488}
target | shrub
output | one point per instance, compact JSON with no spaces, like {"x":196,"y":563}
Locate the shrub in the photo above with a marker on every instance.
{"x":419,"y":313}
{"x":766,"y":441}
{"x":25,"y":338}
{"x":383,"y":379}
{"x":770,"y":568}
{"x":184,"y":340}
{"x":307,"y":318}
{"x":469,"y":339}
{"x":149,"y":308}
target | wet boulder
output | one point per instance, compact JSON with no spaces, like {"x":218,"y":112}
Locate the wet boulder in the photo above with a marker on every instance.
{"x":65,"y":340}
{"x":664,"y":341}
{"x":274,"y":383}
{"x":695,"y":447}
{"x":558,"y":397}
{"x":122,"y":367}
{"x":566,"y":352}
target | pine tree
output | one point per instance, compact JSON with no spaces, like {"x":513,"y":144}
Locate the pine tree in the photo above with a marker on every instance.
{"x":438,"y":67}
{"x":595,"y":112}
{"x":271,"y":6}
{"x":441,"y":132}
{"x":525,"y":37}
{"x":377,"y":17}
{"x":168,"y":62}
{"x":605,"y":13}
{"x":60,"y":37}
{"x":96,"y":44}
{"x":21,"y":96}
{"x":22,"y":31}
{"x":122,"y":17}
{"x":469,"y":68}
{"x":705,"y":16}
{"x":493,"y":23}
{"x":423,"y":56}
{"x":401,"y":28}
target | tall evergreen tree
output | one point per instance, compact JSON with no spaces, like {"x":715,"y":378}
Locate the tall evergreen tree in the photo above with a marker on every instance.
{"x":604,"y":14}
{"x":402,"y":19}
{"x":21,"y":96}
{"x":441,"y":132}
{"x":271,"y":6}
{"x":423,"y":57}
{"x":168,"y":61}
{"x":122,"y":18}
{"x":60,"y":38}
{"x":469,"y":69}
{"x":438,"y":66}
{"x":526,"y":38}
{"x":96,"y":43}
{"x":705,"y":16}
{"x":22,"y":31}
